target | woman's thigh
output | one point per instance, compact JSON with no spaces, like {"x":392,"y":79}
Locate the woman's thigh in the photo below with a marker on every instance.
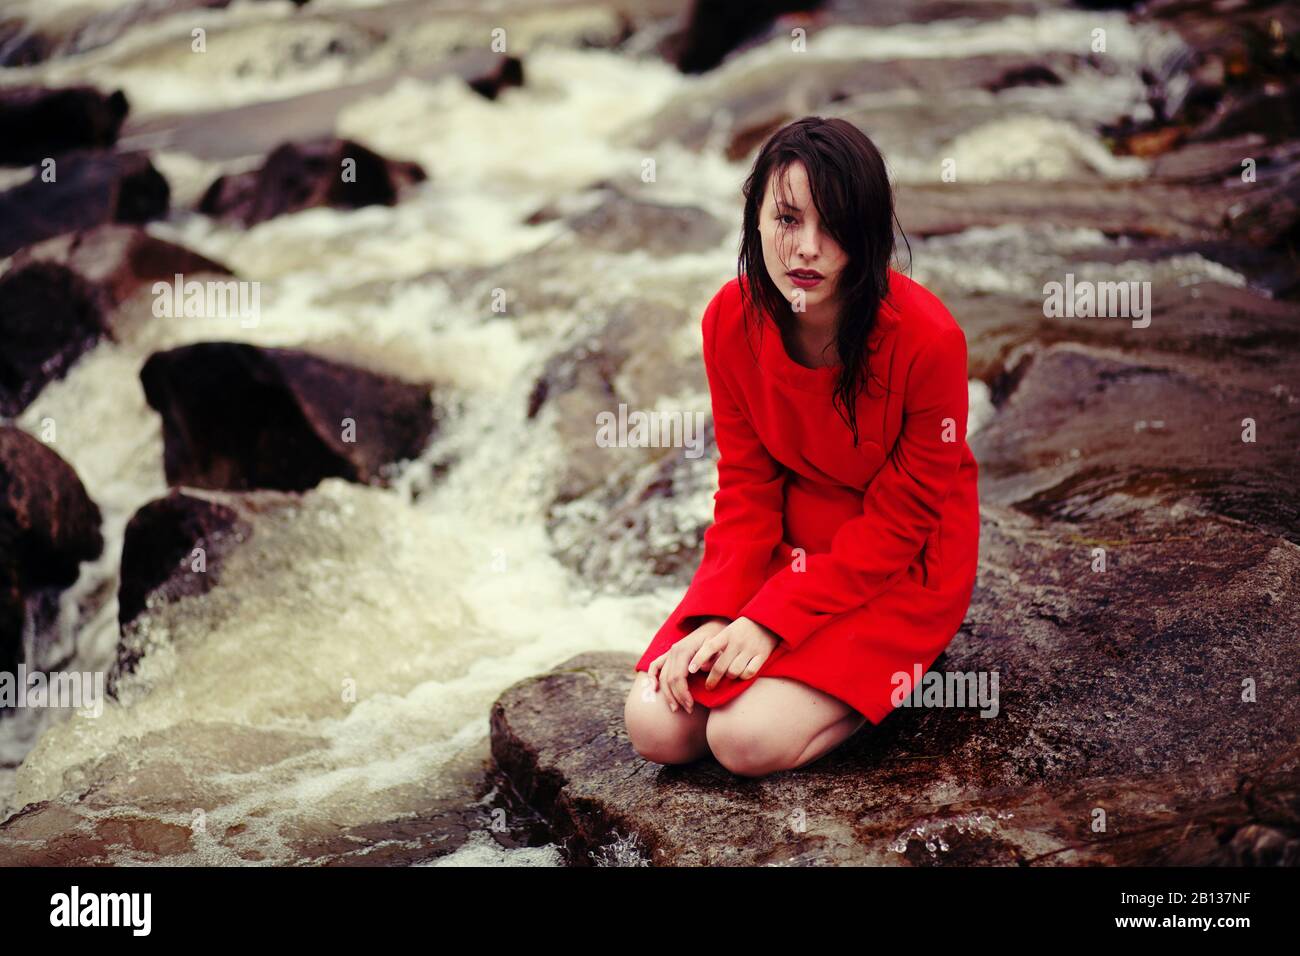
{"x":778,"y":724}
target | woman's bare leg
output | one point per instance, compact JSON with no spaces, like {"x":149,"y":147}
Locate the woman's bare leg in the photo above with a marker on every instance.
{"x":778,"y":724}
{"x":659,"y":734}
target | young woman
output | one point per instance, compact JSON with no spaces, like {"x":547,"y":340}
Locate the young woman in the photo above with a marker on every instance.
{"x":846,"y":523}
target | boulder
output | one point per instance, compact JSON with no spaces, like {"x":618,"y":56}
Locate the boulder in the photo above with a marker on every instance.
{"x":626,"y":356}
{"x":48,"y":526}
{"x":621,"y":223}
{"x":173,"y":548}
{"x":1138,"y":597}
{"x":160,"y":540}
{"x":49,"y":316}
{"x":236,"y":417}
{"x":119,"y":259}
{"x":487,"y":74}
{"x":304,"y":175}
{"x":645,"y":531}
{"x":713,"y":29}
{"x":89,"y":189}
{"x":1198,"y":322}
{"x":12,"y":615}
{"x":1142,"y":210}
{"x":617,"y":515}
{"x":560,"y":276}
{"x":1088,"y":435}
{"x":58,"y":297}
{"x":37,"y":122}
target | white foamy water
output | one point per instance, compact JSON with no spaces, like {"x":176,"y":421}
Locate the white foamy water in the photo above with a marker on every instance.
{"x":430,"y":597}
{"x":254,"y":50}
{"x":1068,"y":29}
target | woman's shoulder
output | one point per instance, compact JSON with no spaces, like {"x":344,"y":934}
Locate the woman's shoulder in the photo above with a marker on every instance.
{"x":729,"y":296}
{"x":724,"y":311}
{"x":919,"y":318}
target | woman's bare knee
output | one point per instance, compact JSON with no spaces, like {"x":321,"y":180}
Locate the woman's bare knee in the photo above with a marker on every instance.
{"x":748,"y":744}
{"x":659,"y":734}
{"x":830,"y":738}
{"x":778,"y":724}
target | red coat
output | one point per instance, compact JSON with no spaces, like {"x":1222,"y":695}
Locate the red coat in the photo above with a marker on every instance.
{"x":890,"y":542}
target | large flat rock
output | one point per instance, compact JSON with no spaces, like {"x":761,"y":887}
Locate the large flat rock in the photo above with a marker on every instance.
{"x":1111,"y":698}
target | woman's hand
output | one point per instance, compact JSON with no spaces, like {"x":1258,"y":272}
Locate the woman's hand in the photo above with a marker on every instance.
{"x":669,"y":668}
{"x":741,"y":648}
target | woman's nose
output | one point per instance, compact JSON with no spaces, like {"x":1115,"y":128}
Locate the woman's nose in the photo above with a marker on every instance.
{"x":809,"y":241}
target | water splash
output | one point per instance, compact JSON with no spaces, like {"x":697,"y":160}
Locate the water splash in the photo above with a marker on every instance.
{"x":930,"y":832}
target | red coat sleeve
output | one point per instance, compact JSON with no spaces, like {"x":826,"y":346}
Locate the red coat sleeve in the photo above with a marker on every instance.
{"x":748,"y":507}
{"x":900,"y":509}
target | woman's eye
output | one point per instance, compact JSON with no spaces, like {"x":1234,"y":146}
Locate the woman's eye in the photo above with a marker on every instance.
{"x":787,"y":216}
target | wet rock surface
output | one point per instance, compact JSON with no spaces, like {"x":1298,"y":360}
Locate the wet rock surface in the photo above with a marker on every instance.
{"x":120,"y":259}
{"x":236,"y":417}
{"x":49,"y":316}
{"x":48,"y":526}
{"x":59,"y":298}
{"x":50,"y":523}
{"x":296,"y":176}
{"x":1088,"y":436}
{"x":36,"y":123}
{"x":90,"y":189}
{"x":172,"y":549}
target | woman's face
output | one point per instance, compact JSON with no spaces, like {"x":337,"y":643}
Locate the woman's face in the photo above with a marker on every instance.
{"x":793,"y":241}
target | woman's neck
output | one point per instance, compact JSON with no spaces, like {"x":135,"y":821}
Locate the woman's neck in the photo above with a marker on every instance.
{"x":813,"y":353}
{"x":812,"y":338}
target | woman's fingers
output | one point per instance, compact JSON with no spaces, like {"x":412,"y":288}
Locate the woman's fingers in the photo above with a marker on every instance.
{"x":718,"y":670}
{"x":748,"y":669}
{"x":651,"y":686}
{"x":722,"y":666}
{"x":710,"y":647}
{"x":665,"y":680}
{"x":739,"y":664}
{"x":678,"y":694}
{"x":655,"y":667}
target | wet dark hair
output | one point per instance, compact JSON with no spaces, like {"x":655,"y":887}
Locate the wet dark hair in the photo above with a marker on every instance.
{"x":851,"y":190}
